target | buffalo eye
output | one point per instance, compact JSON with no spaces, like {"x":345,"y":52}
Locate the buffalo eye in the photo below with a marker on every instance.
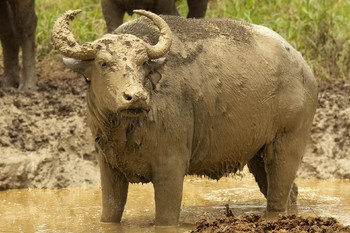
{"x":87,"y":80}
{"x":103,"y":64}
{"x":144,"y":64}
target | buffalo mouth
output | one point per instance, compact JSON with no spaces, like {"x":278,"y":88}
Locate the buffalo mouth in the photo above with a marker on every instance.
{"x":134,"y":112}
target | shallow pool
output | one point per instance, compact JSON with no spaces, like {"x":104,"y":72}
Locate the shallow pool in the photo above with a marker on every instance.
{"x":78,"y":210}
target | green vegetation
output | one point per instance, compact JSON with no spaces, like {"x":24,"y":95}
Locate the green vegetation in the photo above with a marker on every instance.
{"x":89,"y":25}
{"x":320,"y":29}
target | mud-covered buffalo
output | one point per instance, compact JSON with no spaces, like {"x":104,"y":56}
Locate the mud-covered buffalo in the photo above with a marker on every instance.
{"x":169,"y":96}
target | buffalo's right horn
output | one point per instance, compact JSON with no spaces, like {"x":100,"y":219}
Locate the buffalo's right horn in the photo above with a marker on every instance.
{"x":63,"y":39}
{"x":165,"y":38}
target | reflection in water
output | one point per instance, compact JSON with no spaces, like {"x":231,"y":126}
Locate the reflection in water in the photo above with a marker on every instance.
{"x":78,"y":210}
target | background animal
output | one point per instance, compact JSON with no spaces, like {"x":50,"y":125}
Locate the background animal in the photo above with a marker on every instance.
{"x":170,"y":96}
{"x":114,"y":10}
{"x":17,"y":30}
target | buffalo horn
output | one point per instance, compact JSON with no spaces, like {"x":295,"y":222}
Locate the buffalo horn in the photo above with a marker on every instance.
{"x":165,"y":38}
{"x":63,"y":39}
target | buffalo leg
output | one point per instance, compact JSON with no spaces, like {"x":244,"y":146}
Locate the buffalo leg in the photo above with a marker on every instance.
{"x":257,"y":167}
{"x":10,"y":46}
{"x":113,"y":14}
{"x":114,"y":192}
{"x":167,"y":7}
{"x":197,"y":8}
{"x":282,"y":160}
{"x":168,"y":185}
{"x":26,"y":21}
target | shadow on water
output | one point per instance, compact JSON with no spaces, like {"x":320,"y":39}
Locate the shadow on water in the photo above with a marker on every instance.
{"x":78,"y":210}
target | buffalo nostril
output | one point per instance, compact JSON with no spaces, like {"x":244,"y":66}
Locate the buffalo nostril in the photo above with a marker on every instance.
{"x":127,"y":97}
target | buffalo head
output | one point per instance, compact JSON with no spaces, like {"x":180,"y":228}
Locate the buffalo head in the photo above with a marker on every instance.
{"x":116,"y":66}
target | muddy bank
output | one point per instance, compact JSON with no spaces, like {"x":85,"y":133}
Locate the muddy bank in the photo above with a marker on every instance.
{"x":45,"y":143}
{"x":329,"y":152}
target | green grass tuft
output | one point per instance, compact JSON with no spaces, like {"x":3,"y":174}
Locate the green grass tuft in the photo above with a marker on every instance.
{"x":317,"y":28}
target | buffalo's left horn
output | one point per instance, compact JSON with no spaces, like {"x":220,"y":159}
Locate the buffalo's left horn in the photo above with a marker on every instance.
{"x":165,"y":38}
{"x":63,"y":39}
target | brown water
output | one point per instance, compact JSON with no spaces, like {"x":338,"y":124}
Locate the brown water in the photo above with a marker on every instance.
{"x":78,"y":210}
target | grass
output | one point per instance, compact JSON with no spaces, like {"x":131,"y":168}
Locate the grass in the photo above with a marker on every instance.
{"x":317,"y":28}
{"x":88,"y":26}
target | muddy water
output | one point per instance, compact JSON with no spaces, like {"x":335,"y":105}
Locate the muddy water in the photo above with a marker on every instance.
{"x":78,"y":210}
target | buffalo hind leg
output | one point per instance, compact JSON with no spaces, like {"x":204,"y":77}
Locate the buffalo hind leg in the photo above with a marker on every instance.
{"x":113,"y":13}
{"x":10,"y":46}
{"x":257,"y":167}
{"x":165,"y":8}
{"x":114,"y":187}
{"x":282,"y":159}
{"x":197,"y":8}
{"x":26,"y":22}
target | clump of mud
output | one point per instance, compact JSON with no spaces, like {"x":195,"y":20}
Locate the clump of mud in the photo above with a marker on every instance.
{"x":257,"y":223}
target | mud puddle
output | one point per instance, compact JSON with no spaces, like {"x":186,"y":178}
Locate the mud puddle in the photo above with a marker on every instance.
{"x":78,"y":210}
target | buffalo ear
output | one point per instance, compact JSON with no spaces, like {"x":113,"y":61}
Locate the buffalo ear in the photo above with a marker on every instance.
{"x":83,"y":67}
{"x":154,"y":64}
{"x":152,"y":74}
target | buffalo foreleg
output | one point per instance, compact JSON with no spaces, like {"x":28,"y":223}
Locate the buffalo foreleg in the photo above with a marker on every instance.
{"x":114,"y":192}
{"x":168,"y":180}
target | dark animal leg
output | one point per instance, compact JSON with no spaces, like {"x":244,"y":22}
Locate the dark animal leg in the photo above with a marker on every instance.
{"x":197,"y":8}
{"x":10,"y":46}
{"x":165,"y":7}
{"x":257,"y":167}
{"x":113,"y":14}
{"x":282,"y":159}
{"x":26,"y":21}
{"x":114,"y":192}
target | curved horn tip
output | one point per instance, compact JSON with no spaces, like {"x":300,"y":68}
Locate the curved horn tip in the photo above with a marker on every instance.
{"x":72,"y":13}
{"x":142,"y":12}
{"x":165,"y":38}
{"x":63,"y":39}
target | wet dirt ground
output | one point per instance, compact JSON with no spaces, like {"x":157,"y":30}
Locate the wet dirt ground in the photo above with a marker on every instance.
{"x":78,"y":210}
{"x":45,"y":143}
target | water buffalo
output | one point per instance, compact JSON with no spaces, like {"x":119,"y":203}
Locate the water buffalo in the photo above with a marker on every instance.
{"x":170,"y":96}
{"x":114,"y":10}
{"x":17,"y":30}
